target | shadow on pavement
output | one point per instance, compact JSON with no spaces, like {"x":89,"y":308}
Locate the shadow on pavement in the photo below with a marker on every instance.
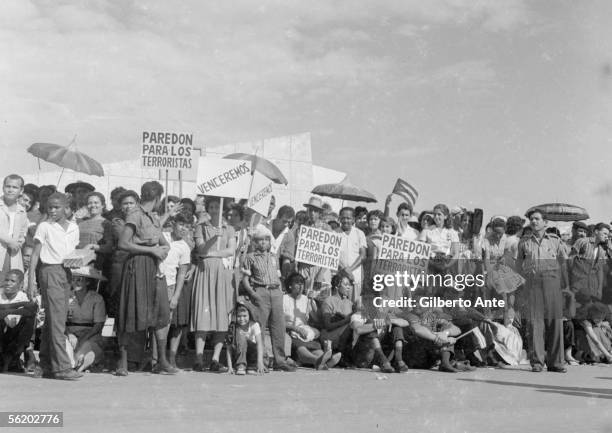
{"x":567,"y":390}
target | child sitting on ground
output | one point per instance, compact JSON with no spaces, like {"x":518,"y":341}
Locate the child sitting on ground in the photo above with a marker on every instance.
{"x":248,"y":343}
{"x":17,"y":323}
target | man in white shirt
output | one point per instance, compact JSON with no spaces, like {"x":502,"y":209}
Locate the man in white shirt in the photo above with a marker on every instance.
{"x":13,"y":225}
{"x":352,"y":251}
{"x":54,"y":240}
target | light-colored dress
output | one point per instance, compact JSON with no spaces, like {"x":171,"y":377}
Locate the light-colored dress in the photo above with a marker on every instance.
{"x":502,"y":277}
{"x":212,"y":298}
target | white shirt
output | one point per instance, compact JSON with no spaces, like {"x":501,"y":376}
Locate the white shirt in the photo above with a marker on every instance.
{"x":276,"y":242}
{"x":13,"y":319}
{"x":296,"y":310}
{"x":251,"y":333}
{"x":179,"y":254}
{"x":352,"y":242}
{"x":440,"y":239}
{"x":11,"y":222}
{"x":56,"y":242}
{"x":410,"y":233}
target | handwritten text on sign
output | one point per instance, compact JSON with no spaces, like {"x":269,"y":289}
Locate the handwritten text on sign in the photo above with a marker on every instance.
{"x":318,"y":247}
{"x":260,"y":194}
{"x":224,"y":177}
{"x":167,"y":150}
{"x":397,"y":248}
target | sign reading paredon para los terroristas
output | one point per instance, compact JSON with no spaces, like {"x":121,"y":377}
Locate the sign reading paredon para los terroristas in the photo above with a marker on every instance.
{"x":171,"y":152}
{"x":318,"y":247}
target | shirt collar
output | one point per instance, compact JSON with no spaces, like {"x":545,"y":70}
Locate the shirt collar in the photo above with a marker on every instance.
{"x":18,"y":208}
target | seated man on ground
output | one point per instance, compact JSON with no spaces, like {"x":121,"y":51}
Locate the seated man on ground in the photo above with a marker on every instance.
{"x":431,"y":339}
{"x":304,"y":338}
{"x":367,"y":350}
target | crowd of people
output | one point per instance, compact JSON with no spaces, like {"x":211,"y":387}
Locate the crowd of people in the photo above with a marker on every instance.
{"x":180,"y":274}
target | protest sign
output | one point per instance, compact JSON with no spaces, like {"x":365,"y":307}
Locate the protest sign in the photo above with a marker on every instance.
{"x":318,"y":247}
{"x":260,"y":194}
{"x":224,"y":177}
{"x":171,"y":152}
{"x":413,"y":253}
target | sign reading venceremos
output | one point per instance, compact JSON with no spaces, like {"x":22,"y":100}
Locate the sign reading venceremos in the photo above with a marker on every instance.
{"x":396,"y":248}
{"x":318,"y":247}
{"x":224,"y":177}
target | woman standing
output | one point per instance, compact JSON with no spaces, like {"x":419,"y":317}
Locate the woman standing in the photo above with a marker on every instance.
{"x":95,"y":231}
{"x":144,"y":297}
{"x":213,"y":296}
{"x":128,"y":200}
{"x":441,"y":237}
{"x":500,"y":277}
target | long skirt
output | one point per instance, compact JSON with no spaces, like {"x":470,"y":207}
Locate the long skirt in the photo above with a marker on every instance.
{"x":144,"y":296}
{"x":212,"y":296}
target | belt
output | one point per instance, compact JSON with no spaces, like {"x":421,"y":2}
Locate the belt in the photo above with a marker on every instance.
{"x":270,"y":287}
{"x":79,"y":324}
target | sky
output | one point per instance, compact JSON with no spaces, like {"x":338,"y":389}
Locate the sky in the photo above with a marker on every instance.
{"x":500,"y":105}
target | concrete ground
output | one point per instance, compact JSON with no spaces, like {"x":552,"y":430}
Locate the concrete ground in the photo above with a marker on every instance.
{"x":486,"y":400}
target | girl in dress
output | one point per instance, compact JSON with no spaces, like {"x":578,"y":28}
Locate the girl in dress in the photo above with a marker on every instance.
{"x":213,"y":295}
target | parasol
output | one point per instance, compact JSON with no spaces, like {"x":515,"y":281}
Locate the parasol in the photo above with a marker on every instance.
{"x":65,"y":157}
{"x":262,"y":165}
{"x":344,"y":190}
{"x":561,"y":212}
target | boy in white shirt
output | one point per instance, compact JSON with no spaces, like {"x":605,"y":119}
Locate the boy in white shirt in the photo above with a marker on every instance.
{"x":55,"y":239}
{"x":175,"y":268}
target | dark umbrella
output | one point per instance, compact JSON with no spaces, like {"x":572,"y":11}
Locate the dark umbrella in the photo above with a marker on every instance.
{"x":261,"y":165}
{"x":65,"y":157}
{"x":561,"y":212}
{"x":344,"y":190}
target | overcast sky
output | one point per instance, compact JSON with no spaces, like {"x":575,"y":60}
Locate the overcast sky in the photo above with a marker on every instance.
{"x":494,"y":104}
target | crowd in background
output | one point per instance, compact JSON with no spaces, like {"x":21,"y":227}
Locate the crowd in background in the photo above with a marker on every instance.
{"x":177,"y":276}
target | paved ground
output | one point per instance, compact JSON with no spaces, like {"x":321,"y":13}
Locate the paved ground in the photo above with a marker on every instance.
{"x":335,"y":401}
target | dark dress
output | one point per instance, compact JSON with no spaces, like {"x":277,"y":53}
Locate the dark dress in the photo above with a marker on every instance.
{"x":144,"y":296}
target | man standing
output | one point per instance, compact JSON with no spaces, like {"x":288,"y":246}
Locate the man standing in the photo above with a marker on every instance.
{"x":352,"y":251}
{"x":318,"y":278}
{"x":587,"y":258}
{"x":283,"y":242}
{"x":540,"y":259}
{"x":13,"y":225}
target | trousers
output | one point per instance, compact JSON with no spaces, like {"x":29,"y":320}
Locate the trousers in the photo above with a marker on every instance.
{"x":270,"y":313}
{"x":545,"y":319}
{"x":55,"y":290}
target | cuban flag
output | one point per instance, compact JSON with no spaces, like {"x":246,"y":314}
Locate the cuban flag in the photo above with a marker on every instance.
{"x":406,"y":191}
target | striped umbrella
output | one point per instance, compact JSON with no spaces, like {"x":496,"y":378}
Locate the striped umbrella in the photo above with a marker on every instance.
{"x":261,"y":165}
{"x":65,"y":157}
{"x":561,"y":212}
{"x":344,"y":190}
